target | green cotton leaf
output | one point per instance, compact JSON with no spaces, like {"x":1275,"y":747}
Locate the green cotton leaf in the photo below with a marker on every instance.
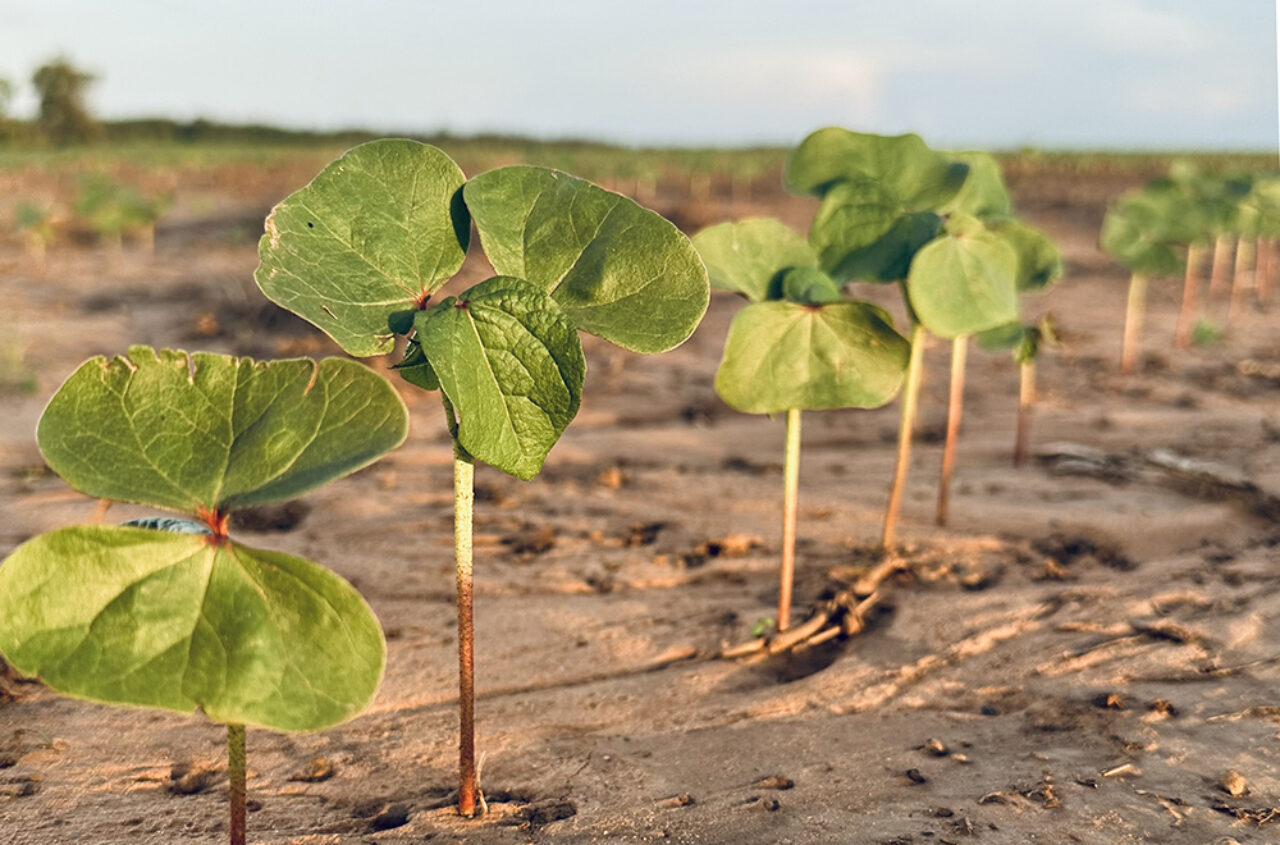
{"x":416,"y":369}
{"x":1039,"y":262}
{"x":1136,"y":232}
{"x":809,"y":286}
{"x":860,"y":233}
{"x":749,"y":257}
{"x":510,"y":363}
{"x":984,"y":193}
{"x":1007,"y":336}
{"x":617,"y":269}
{"x":377,"y":232}
{"x":903,"y":166}
{"x":215,"y":432}
{"x":180,"y":621}
{"x":964,"y":282}
{"x":781,"y":355}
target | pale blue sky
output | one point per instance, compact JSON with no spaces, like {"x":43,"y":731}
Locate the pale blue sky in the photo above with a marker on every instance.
{"x":996,"y":73}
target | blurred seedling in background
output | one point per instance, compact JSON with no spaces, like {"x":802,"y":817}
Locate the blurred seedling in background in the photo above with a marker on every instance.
{"x":172,"y":613}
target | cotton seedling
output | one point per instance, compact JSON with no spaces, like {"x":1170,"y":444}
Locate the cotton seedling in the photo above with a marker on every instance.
{"x":174,"y":614}
{"x":361,"y":251}
{"x":798,"y":345}
{"x":892,"y":210}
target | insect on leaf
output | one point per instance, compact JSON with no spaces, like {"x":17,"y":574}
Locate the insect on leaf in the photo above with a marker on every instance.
{"x":144,"y":617}
{"x":512,"y":367}
{"x":376,"y":232}
{"x":187,"y":432}
{"x":617,"y":269}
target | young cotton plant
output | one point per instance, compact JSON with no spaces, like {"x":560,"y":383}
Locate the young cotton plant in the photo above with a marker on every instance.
{"x":893,"y":210}
{"x":798,"y":345}
{"x":176,"y":615}
{"x":362,"y":250}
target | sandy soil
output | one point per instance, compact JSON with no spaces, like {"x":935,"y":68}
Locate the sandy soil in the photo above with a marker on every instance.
{"x":1078,"y":658}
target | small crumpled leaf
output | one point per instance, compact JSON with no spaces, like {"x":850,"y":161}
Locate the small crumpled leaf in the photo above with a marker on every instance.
{"x":903,"y":166}
{"x":617,"y":269}
{"x":748,"y":257}
{"x":149,"y":618}
{"x":983,"y":193}
{"x":782,"y":355}
{"x":511,"y":365}
{"x":215,"y":432}
{"x":964,"y":282}
{"x":416,"y":369}
{"x":861,"y":233}
{"x":376,"y":232}
{"x":809,"y":286}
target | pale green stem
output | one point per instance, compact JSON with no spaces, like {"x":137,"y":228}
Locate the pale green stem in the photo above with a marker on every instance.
{"x":1133,"y":323}
{"x":955,"y":409}
{"x":790,"y":500}
{"x":910,"y":395}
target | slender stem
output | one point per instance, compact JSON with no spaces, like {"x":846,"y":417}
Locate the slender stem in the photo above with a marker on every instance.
{"x":910,"y":394}
{"x":1246,"y":251}
{"x":463,"y":502}
{"x":1133,"y":323}
{"x":1221,"y":259}
{"x":1026,"y":405}
{"x":955,"y":409}
{"x":1190,"y":293}
{"x":1266,"y":266}
{"x":235,"y":773}
{"x":790,"y":498}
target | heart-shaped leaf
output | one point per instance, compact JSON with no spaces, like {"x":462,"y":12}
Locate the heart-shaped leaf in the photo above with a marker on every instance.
{"x":782,"y":355}
{"x":511,"y":365}
{"x":180,"y":621}
{"x":860,"y":232}
{"x":749,"y":257}
{"x":983,"y":193}
{"x":376,"y":232}
{"x":214,"y":432}
{"x":1039,"y":262}
{"x":903,"y":166}
{"x":965,"y":282}
{"x":618,"y":270}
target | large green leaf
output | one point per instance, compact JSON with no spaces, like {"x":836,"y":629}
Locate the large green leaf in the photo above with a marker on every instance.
{"x":179,"y":621}
{"x":749,"y":257}
{"x":916,"y":177}
{"x":216,"y":432}
{"x":618,"y":270}
{"x":782,"y":355}
{"x":511,"y":365}
{"x":984,"y":193}
{"x":861,"y":233}
{"x":378,"y":231}
{"x":1039,"y":262}
{"x":964,"y":282}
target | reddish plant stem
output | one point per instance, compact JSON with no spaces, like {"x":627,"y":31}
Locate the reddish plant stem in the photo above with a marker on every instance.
{"x":463,"y":503}
{"x":1190,"y":295}
{"x":1026,"y":406}
{"x":1221,"y":263}
{"x":1246,"y":252}
{"x":1266,"y":266}
{"x":955,"y":409}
